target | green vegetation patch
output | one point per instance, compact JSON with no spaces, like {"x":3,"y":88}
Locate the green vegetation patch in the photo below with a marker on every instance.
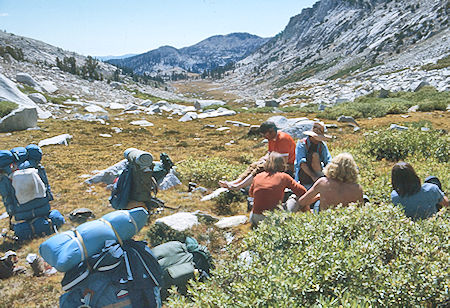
{"x":428,"y":99}
{"x":397,"y":145}
{"x":441,"y":63}
{"x":353,"y":257}
{"x":6,"y":107}
{"x":208,"y":171}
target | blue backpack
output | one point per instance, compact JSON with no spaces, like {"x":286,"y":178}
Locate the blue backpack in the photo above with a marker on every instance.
{"x":121,"y":190}
{"x":126,"y":275}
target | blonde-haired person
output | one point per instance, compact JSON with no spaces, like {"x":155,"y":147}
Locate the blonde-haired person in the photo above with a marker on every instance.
{"x":339,"y":186}
{"x":268,"y":187}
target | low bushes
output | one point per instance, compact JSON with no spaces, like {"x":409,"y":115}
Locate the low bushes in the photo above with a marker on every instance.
{"x":208,"y":171}
{"x":366,"y":257}
{"x":396,"y":145}
{"x":6,"y":107}
{"x":428,"y":99}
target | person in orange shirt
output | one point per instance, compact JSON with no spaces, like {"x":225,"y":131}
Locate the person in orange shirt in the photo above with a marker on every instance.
{"x":279,"y":142}
{"x":268,"y":187}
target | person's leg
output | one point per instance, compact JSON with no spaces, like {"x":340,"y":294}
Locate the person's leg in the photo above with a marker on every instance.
{"x":316,"y":166}
{"x":255,"y":219}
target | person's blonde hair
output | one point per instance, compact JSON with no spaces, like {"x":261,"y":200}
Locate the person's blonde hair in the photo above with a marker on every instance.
{"x":275,"y":163}
{"x":342,"y":168}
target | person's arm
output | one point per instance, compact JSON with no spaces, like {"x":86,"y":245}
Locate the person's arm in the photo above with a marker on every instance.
{"x":311,"y":195}
{"x":325,"y":154}
{"x":296,"y":187}
{"x":444,"y":202}
{"x":300,"y":157}
{"x":250,"y":192}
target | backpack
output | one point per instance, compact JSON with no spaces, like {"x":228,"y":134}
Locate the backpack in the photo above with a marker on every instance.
{"x":126,"y":275}
{"x":180,"y":262}
{"x":120,"y":193}
{"x":28,"y":185}
{"x":6,"y":159}
{"x":39,"y":226}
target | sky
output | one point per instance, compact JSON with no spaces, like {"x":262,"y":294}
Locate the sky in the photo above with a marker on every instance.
{"x":113,"y":27}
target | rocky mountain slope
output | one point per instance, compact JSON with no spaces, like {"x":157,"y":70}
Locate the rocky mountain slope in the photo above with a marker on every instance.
{"x":214,"y":51}
{"x":41,"y":53}
{"x":335,"y":38}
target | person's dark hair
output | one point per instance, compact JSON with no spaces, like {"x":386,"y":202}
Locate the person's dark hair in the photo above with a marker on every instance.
{"x":404,"y":179}
{"x":267,"y":126}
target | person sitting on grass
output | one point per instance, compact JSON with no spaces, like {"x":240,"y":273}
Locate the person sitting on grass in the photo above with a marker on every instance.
{"x":268,"y":187}
{"x":311,"y":155}
{"x":418,"y":201}
{"x":279,"y":142}
{"x":339,"y":186}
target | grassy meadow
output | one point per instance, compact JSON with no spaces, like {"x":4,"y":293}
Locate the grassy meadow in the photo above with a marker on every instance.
{"x":193,"y":142}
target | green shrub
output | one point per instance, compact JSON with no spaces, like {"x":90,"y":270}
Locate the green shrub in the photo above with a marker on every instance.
{"x":353,"y":257}
{"x":397,"y":145}
{"x":161,"y":233}
{"x":6,"y":108}
{"x":433,"y":105}
{"x":208,"y":171}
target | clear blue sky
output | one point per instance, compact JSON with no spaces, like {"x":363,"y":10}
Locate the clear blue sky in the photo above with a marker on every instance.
{"x":112,"y":27}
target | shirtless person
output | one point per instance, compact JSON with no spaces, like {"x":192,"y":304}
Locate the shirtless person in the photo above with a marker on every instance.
{"x":339,"y":186}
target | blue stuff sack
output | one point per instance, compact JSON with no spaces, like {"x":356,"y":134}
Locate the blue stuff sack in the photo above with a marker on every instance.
{"x":34,"y":152}
{"x":20,"y":154}
{"x":57,"y":218}
{"x":39,"y":226}
{"x":66,"y":250}
{"x":6,"y":159}
{"x":40,"y":208}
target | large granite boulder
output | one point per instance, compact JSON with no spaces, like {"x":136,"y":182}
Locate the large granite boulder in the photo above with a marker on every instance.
{"x":10,"y":92}
{"x":19,"y":119}
{"x":26,"y":79}
{"x":294,"y":127}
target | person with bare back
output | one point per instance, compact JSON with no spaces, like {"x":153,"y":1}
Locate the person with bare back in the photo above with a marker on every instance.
{"x":339,"y":186}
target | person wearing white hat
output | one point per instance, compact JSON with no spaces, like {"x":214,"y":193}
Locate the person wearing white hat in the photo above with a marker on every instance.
{"x":311,"y":155}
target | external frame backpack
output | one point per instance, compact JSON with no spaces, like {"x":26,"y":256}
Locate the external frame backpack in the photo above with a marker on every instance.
{"x":180,"y":262}
{"x":121,"y":275}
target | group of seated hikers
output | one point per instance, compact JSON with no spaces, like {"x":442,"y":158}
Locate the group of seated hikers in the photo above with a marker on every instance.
{"x":319,"y":181}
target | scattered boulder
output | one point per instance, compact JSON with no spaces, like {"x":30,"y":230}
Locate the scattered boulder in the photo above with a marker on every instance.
{"x":188,"y":116}
{"x":217,"y":113}
{"x":272,"y":103}
{"x":214,"y":194}
{"x":169,"y":181}
{"x":383,"y":93}
{"x":179,"y":221}
{"x":232,"y":221}
{"x":202,"y":104}
{"x":143,"y":123}
{"x":421,"y":85}
{"x":413,"y":108}
{"x":26,"y":79}
{"x":398,"y":127}
{"x":48,"y":86}
{"x":347,"y":119}
{"x":60,"y":139}
{"x":94,"y":108}
{"x":20,"y":119}
{"x":237,"y":123}
{"x":38,"y":98}
{"x":116,"y":106}
{"x":108,"y":175}
{"x":116,"y":85}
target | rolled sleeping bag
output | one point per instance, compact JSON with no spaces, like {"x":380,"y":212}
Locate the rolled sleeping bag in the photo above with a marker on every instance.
{"x":34,"y":152}
{"x":142,"y":158}
{"x":6,"y":159}
{"x":65,"y":250}
{"x":40,"y":207}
